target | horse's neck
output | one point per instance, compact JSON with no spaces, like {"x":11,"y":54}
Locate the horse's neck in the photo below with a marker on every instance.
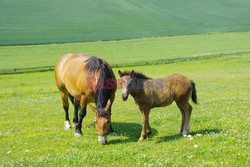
{"x":137,"y":93}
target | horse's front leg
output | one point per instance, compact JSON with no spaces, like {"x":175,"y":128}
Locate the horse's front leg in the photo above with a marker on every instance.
{"x":64,"y":97}
{"x":111,"y":130}
{"x":76,"y":108}
{"x":145,"y":124}
{"x":82,"y":114}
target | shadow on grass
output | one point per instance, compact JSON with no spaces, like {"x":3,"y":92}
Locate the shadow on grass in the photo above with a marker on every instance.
{"x":131,"y":131}
{"x":177,"y":136}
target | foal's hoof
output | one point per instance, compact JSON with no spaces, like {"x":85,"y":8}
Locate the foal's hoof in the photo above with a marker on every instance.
{"x":141,"y":139}
{"x":184,"y":133}
{"x":77,"y":135}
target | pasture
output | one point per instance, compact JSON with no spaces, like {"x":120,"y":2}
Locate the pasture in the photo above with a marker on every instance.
{"x":207,"y":41}
{"x":32,"y":130}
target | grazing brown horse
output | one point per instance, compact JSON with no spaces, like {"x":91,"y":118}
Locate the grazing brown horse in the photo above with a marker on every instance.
{"x":75,"y":74}
{"x":149,"y":93}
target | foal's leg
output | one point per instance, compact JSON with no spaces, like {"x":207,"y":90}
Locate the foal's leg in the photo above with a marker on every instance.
{"x":148,"y":130}
{"x":182,"y":120}
{"x":145,"y":124}
{"x":188,"y":116}
{"x":78,"y":128}
{"x":186,"y":110}
{"x":64,"y":97}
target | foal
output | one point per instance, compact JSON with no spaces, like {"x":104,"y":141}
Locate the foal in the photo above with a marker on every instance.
{"x":149,"y":93}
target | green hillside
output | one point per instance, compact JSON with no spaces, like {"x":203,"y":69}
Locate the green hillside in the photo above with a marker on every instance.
{"x":134,"y":51}
{"x":60,"y":21}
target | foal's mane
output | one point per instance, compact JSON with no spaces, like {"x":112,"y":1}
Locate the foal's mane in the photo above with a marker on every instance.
{"x":102,"y":95}
{"x":135,"y":74}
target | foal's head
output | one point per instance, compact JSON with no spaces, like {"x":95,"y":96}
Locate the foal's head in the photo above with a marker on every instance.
{"x":127,"y":81}
{"x":131,"y":81}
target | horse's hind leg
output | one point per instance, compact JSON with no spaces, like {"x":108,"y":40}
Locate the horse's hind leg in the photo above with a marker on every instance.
{"x":64,"y":97}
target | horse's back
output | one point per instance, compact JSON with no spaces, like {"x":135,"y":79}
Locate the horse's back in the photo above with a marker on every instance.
{"x":172,"y":86}
{"x":68,"y":71}
{"x":68,"y":59}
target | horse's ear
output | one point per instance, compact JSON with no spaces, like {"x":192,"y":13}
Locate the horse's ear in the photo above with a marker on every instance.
{"x":120,"y":73}
{"x":132,"y":73}
{"x":93,"y":108}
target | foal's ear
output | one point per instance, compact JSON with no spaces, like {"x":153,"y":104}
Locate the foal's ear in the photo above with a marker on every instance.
{"x":120,"y":73}
{"x":132,"y":73}
{"x":93,"y":108}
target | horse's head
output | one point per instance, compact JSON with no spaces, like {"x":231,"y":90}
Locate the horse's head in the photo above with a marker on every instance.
{"x":127,"y":81}
{"x":102,"y":123}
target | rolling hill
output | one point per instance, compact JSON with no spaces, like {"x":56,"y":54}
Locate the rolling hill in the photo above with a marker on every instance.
{"x":62,"y":21}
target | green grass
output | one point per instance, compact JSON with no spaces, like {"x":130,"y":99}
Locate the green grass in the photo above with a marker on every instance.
{"x":128,"y":51}
{"x":31,"y":115}
{"x":61,"y":21}
{"x":31,"y":122}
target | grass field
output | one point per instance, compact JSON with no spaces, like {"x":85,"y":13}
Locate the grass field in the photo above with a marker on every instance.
{"x":32,"y":134}
{"x":208,"y":41}
{"x":133,"y":51}
{"x":61,"y":21}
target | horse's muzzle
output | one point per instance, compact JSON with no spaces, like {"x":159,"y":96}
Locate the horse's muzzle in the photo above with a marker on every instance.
{"x":124,"y":97}
{"x":102,"y":139}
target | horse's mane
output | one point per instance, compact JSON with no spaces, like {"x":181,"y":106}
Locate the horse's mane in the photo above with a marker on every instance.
{"x":135,"y":74}
{"x":102,"y":95}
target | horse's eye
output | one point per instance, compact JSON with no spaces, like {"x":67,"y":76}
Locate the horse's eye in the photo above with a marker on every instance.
{"x":107,"y":121}
{"x":94,"y":121}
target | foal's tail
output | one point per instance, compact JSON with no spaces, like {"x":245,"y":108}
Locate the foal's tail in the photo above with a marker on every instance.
{"x":194,"y":96}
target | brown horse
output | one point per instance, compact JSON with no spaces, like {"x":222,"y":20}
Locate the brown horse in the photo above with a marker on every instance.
{"x":149,"y":93}
{"x":73,"y":74}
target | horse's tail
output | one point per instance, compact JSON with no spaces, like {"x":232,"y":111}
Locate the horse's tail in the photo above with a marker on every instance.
{"x":194,"y":96}
{"x":103,"y":94}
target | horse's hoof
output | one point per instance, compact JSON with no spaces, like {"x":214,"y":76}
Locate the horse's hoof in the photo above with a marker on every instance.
{"x":67,"y":125}
{"x":77,"y":135}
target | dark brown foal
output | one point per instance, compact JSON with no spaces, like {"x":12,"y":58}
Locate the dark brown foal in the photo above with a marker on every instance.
{"x":150,"y":93}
